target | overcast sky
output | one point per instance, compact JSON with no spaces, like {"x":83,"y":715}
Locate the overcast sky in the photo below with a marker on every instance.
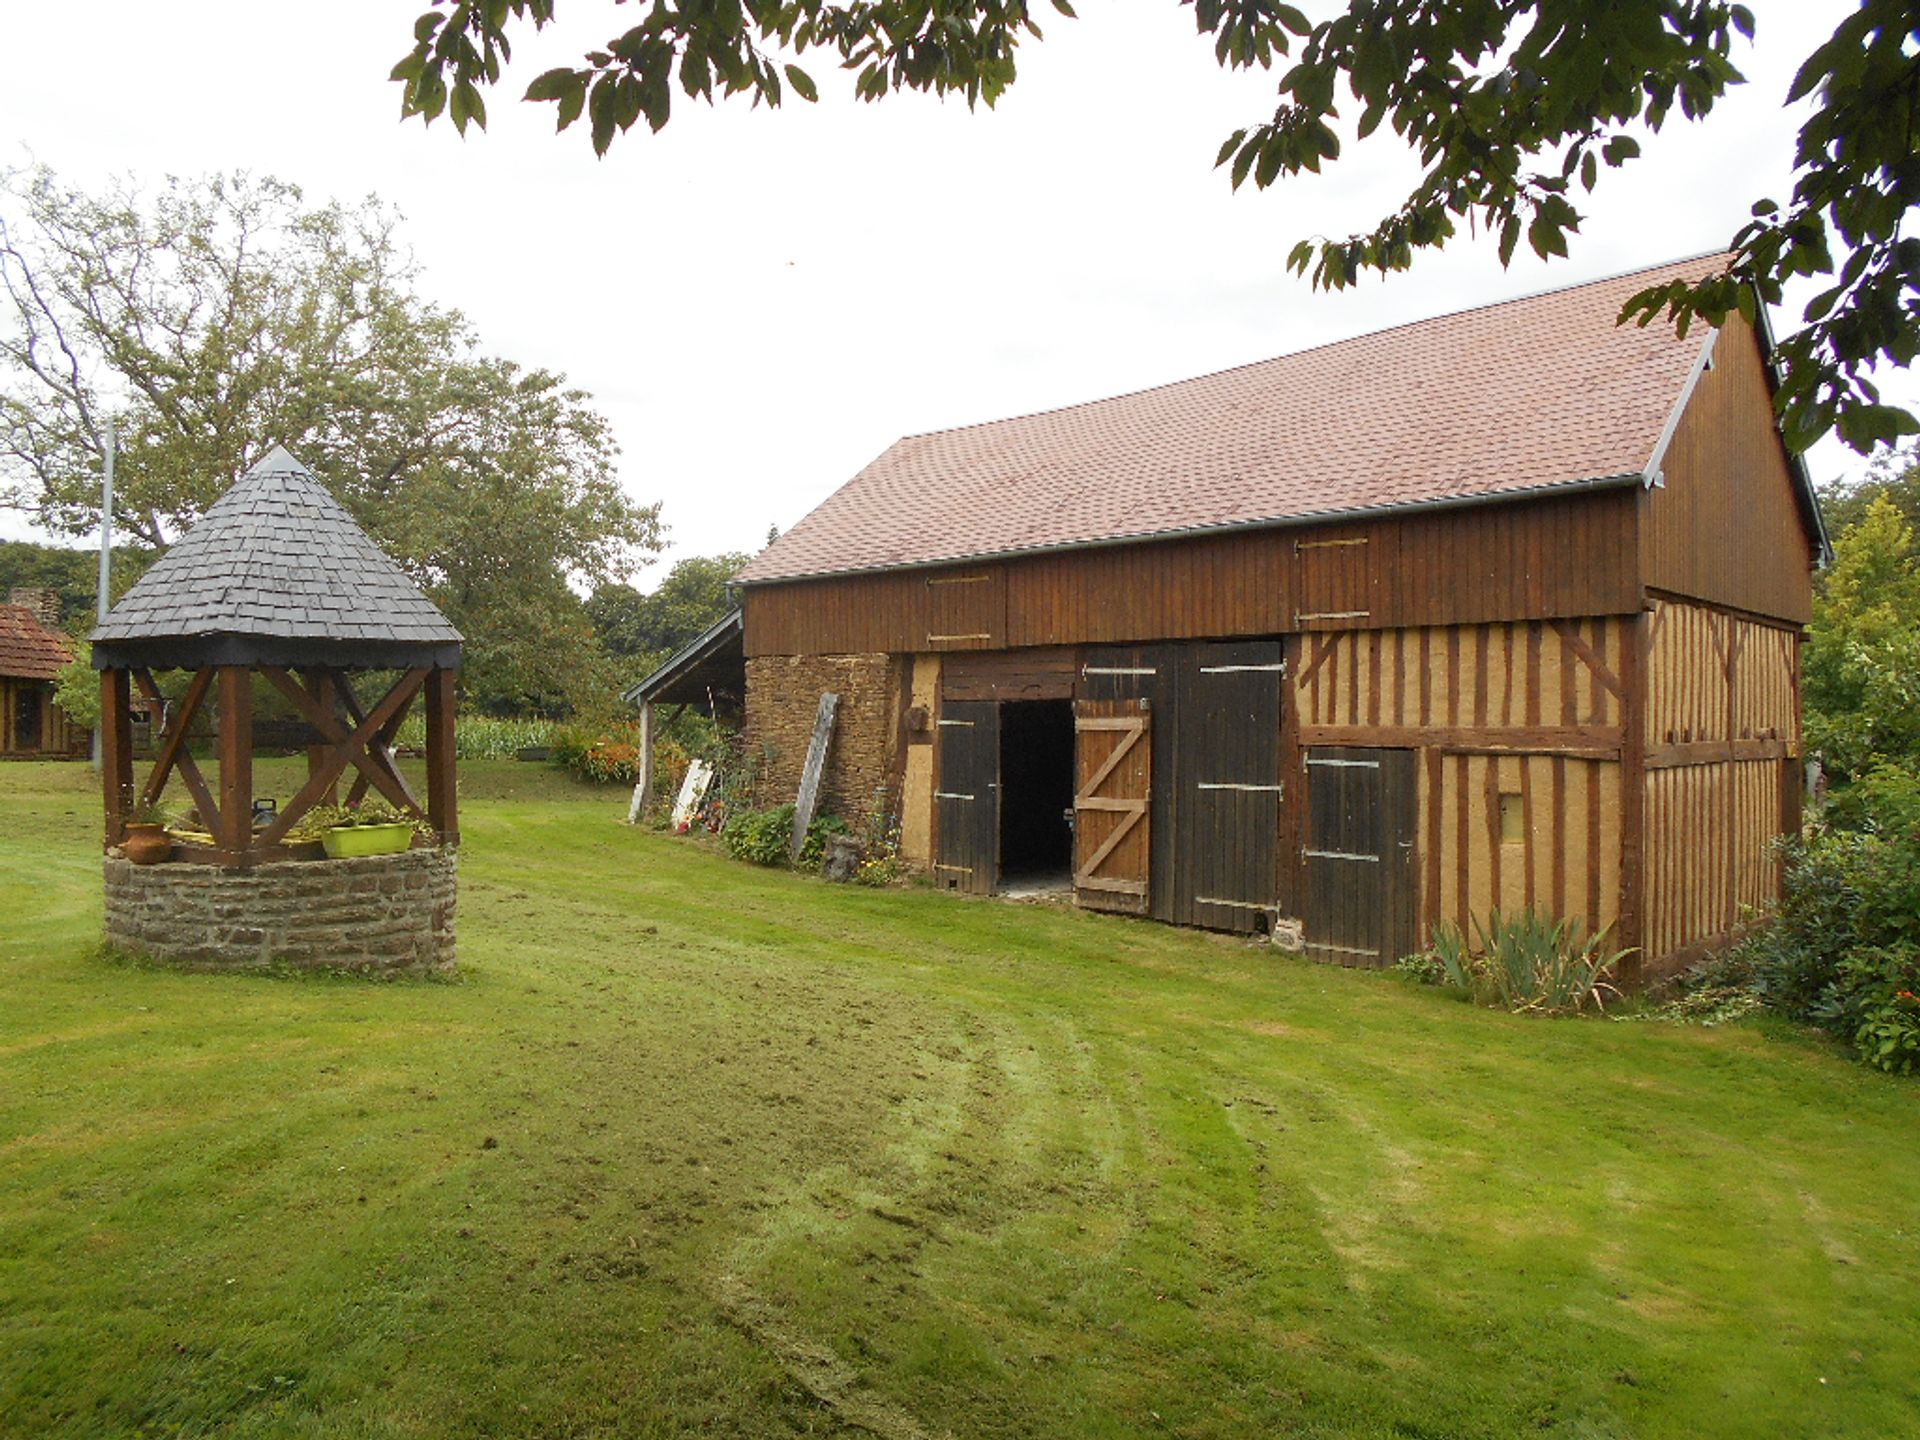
{"x":763,"y":301}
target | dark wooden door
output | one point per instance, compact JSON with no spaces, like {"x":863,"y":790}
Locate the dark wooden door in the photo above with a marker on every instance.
{"x":1113,"y":787}
{"x":1362,"y":872}
{"x":1227,"y":765}
{"x":966,"y":797}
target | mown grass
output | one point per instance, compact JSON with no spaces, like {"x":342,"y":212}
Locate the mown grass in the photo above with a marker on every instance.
{"x":695,"y":1147}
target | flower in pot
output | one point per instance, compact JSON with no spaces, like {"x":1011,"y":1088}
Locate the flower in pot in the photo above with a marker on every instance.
{"x":146,"y":841}
{"x":372,"y":827}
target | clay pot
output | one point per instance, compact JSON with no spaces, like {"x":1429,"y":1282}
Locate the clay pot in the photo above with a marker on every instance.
{"x":147,"y":844}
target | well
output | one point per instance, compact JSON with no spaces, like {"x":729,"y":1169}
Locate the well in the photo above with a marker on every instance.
{"x":278,"y":582}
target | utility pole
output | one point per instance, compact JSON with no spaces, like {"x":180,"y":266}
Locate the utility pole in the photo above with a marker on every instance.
{"x":106,"y":549}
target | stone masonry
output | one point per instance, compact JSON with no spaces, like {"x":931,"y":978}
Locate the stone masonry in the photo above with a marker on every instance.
{"x":381,"y":914}
{"x":783,"y":695}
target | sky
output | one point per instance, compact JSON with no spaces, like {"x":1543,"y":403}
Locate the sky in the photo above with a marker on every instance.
{"x":763,"y":300}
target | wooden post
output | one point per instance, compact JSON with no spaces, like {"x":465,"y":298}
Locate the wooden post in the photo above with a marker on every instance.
{"x":643,"y":780}
{"x":442,"y":793}
{"x":322,"y":682}
{"x":233,"y":743}
{"x":1633,"y":797}
{"x":116,"y":751}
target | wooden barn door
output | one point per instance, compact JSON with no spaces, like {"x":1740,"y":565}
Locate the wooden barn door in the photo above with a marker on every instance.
{"x":1144,"y":674}
{"x":1113,"y":787}
{"x":967,"y":797}
{"x":1227,"y":765}
{"x":1362,"y":875}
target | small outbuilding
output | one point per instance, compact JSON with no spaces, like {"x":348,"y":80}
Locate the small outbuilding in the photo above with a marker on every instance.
{"x":277,"y":581}
{"x":32,"y":654}
{"x":1500,"y":609}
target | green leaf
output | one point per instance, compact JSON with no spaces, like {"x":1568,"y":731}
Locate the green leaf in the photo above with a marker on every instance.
{"x":802,"y":84}
{"x":1227,"y":150}
{"x":553,"y":85}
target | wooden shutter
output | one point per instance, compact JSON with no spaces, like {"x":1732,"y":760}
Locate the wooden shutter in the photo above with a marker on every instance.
{"x":1113,"y":774}
{"x":1362,"y":872}
{"x":966,"y":797}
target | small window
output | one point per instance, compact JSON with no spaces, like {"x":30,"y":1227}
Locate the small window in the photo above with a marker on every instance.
{"x":1513,"y":828}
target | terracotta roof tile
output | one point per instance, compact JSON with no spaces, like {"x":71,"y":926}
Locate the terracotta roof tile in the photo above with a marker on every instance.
{"x":28,"y":650}
{"x":1521,"y":395}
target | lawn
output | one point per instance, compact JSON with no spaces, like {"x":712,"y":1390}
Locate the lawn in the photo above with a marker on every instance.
{"x":694,"y":1147}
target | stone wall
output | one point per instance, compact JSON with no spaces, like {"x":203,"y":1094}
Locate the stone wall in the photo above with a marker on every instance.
{"x":783,"y":695}
{"x":386,"y":914}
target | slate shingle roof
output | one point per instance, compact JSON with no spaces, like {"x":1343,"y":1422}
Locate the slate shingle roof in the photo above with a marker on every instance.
{"x":28,"y":650}
{"x":1513,"y":397}
{"x":277,"y":556}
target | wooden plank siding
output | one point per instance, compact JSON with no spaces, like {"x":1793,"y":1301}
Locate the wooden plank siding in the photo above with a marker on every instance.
{"x":1725,"y":528}
{"x":1559,"y":557}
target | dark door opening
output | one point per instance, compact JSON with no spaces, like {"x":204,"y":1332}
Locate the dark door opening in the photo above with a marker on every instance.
{"x":1036,"y":792}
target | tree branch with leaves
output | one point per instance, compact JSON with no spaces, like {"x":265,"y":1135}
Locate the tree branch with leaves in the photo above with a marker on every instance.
{"x":1516,"y":109}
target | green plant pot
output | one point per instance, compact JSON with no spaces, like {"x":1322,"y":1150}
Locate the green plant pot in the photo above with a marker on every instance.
{"x":346,"y":842}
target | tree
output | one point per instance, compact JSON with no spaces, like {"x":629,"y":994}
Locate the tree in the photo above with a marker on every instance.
{"x":1861,"y":673}
{"x":221,"y":316}
{"x":1514,"y":107}
{"x":643,"y":630}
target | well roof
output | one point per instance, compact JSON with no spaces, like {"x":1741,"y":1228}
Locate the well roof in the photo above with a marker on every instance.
{"x":28,"y":650}
{"x":1508,"y":399}
{"x":276,"y":572}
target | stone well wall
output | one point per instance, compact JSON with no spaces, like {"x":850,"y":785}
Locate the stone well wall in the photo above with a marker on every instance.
{"x":783,"y":696}
{"x":389,"y":914}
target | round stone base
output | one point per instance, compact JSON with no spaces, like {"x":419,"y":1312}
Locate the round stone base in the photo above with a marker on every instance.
{"x":385,"y":914}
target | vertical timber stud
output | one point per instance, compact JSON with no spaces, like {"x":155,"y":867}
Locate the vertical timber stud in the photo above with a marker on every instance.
{"x":1633,"y":796}
{"x":116,"y":750}
{"x":322,"y":684}
{"x":233,"y":831}
{"x":442,"y":805}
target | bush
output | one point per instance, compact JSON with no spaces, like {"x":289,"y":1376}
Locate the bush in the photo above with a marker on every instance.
{"x":814,"y":848}
{"x":1521,"y":962}
{"x":606,"y":757}
{"x":759,"y":836}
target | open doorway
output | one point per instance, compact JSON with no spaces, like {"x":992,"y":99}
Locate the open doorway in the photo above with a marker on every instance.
{"x":1036,"y":795}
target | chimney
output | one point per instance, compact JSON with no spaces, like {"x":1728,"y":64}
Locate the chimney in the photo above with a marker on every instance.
{"x":42,"y":601}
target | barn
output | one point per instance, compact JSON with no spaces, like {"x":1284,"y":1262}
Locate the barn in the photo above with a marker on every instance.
{"x":1501,"y":608}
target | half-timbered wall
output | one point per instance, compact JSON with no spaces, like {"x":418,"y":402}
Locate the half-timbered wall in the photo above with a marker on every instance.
{"x":1722,"y":771}
{"x":1519,"y":730}
{"x":1561,"y":557}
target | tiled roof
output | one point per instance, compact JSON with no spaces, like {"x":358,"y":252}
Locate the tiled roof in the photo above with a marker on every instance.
{"x":276,"y":556}
{"x":28,"y":650}
{"x":1518,"y":396}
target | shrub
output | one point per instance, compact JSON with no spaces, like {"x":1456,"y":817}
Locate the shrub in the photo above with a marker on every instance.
{"x":606,"y":757}
{"x":1523,"y":962}
{"x":759,"y":836}
{"x":814,"y":848}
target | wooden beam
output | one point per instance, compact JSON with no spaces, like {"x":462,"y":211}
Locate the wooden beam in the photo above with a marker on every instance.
{"x":643,"y":779}
{"x":442,"y":791}
{"x":233,"y":743}
{"x":116,"y":752}
{"x":1570,"y":638}
{"x":1713,"y":752}
{"x":352,"y":748}
{"x":173,"y":745}
{"x":1600,"y":742}
{"x":1633,"y":796}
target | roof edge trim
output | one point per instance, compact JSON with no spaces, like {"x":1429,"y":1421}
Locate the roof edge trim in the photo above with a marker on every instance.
{"x":1232,"y":527}
{"x":1701,"y":364}
{"x":689,"y":653}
